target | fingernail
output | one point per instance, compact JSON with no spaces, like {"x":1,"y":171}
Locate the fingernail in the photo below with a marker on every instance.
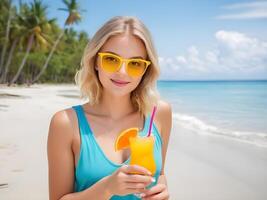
{"x":153,"y":179}
{"x":142,"y":195}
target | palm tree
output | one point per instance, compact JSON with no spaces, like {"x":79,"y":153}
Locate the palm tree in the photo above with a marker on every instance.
{"x":83,"y":36}
{"x":34,"y":20}
{"x":72,"y":8}
{"x":8,"y":5}
{"x":15,"y":34}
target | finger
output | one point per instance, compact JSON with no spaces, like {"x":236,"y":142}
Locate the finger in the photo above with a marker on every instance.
{"x":140,"y":178}
{"x":135,"y":190}
{"x":160,"y":196}
{"x":135,"y":186}
{"x":156,"y":189}
{"x":130,"y":169}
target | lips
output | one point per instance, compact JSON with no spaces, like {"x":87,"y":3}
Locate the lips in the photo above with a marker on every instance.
{"x":119,"y":82}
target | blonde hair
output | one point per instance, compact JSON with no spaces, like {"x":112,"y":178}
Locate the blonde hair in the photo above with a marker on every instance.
{"x":145,"y":94}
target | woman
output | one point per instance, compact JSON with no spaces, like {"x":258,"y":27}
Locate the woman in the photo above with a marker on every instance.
{"x":118,"y":74}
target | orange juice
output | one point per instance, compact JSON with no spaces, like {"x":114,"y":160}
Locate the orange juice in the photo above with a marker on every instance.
{"x":142,"y":152}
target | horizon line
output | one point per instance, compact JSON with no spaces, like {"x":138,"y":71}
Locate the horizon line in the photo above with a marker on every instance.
{"x":212,"y":80}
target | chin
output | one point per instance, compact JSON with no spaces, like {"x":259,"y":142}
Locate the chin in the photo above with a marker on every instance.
{"x":120,"y":93}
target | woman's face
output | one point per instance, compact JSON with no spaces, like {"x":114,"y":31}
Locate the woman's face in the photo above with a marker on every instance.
{"x":126,"y":46}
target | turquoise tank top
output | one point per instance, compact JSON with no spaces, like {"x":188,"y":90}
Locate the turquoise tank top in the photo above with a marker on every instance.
{"x":94,"y":165}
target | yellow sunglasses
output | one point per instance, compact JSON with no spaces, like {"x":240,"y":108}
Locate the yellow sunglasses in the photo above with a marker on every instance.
{"x":135,"y":67}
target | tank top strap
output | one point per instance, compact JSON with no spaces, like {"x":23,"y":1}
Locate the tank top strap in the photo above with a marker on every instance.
{"x":83,"y":123}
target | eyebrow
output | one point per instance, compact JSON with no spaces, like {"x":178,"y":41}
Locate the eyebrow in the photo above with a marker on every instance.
{"x":120,"y":56}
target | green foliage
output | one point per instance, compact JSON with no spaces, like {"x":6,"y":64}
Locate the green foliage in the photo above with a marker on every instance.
{"x":32,"y":18}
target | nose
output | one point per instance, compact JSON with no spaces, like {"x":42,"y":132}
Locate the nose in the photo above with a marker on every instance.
{"x":122,"y":69}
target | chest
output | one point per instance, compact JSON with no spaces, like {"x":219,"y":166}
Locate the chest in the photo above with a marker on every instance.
{"x":105,"y":133}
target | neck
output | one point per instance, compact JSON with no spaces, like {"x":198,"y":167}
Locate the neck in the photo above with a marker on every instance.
{"x":115,"y":107}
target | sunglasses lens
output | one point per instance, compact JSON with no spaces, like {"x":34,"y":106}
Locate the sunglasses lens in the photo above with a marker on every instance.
{"x":110,"y":63}
{"x":136,"y":67}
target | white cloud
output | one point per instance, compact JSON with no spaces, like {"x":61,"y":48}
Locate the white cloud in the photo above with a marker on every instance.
{"x":250,"y":10}
{"x":234,"y":54}
{"x":241,"y":51}
{"x":253,"y":4}
{"x":181,"y":60}
{"x":212,"y":57}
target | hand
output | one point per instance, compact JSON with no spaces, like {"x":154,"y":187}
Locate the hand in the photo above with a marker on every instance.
{"x":157,"y":192}
{"x":123,"y":182}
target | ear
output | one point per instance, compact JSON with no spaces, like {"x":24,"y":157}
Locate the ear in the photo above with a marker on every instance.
{"x":96,"y":68}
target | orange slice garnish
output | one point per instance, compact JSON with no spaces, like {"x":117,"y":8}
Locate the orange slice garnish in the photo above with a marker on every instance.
{"x":122,"y":140}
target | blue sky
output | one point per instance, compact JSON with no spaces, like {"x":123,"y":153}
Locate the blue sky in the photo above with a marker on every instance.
{"x":220,"y":39}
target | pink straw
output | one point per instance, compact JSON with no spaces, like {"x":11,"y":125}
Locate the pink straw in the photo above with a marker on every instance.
{"x":151,"y":120}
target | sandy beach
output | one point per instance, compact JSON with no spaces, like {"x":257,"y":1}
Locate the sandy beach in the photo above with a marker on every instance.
{"x":198,"y":166}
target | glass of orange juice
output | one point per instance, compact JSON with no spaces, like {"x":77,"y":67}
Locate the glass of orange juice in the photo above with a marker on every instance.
{"x":142,"y":153}
{"x":142,"y":148}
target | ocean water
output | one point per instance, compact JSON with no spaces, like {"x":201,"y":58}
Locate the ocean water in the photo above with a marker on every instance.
{"x":233,"y":109}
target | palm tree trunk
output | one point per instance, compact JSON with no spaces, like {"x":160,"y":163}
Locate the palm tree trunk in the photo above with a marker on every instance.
{"x":29,"y":46}
{"x":6,"y":39}
{"x":10,"y":56}
{"x":49,"y":57}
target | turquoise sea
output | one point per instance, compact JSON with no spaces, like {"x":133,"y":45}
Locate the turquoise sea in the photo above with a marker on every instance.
{"x":233,"y":109}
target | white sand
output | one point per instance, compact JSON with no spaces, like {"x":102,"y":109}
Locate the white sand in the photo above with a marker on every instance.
{"x":197,"y":166}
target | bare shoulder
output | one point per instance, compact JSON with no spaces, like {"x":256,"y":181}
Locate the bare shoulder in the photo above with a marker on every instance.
{"x":62,"y":124}
{"x":164,"y":108}
{"x":164,"y":113}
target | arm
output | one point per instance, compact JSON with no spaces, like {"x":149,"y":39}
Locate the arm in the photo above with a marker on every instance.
{"x":61,"y":163}
{"x":165,"y":118}
{"x":162,"y":179}
{"x":98,"y":190}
